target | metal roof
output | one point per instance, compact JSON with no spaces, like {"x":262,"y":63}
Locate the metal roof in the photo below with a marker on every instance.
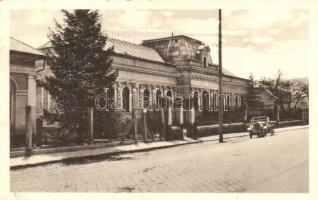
{"x":126,"y":48}
{"x":135,"y":50}
{"x":16,"y":45}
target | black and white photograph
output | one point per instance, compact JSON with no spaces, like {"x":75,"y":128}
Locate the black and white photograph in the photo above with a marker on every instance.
{"x":159,"y":100}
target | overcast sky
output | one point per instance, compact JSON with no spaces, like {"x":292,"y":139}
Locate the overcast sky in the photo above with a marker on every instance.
{"x":254,"y":41}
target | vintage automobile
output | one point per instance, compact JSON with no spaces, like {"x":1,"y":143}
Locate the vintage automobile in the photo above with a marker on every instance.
{"x":260,"y":126}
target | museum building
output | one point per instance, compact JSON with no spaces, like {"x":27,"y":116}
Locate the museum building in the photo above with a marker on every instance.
{"x":163,"y":67}
{"x":169,"y":67}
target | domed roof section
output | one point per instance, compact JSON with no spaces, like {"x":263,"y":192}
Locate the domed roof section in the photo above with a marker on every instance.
{"x":181,"y":47}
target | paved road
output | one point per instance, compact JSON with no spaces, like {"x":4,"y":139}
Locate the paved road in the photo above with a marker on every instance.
{"x":276,"y":163}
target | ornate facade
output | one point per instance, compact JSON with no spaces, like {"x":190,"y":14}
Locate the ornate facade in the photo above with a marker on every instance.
{"x":169,"y":67}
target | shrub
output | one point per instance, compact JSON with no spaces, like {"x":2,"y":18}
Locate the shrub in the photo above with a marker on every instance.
{"x":108,"y":124}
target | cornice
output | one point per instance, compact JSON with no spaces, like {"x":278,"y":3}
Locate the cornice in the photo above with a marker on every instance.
{"x":146,"y":71}
{"x":22,"y":69}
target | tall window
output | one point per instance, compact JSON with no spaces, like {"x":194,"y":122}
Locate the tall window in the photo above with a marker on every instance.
{"x":212,"y":99}
{"x":236,"y":102}
{"x":169,"y":95}
{"x":205,"y":63}
{"x":158,"y":95}
{"x":196,"y":101}
{"x":205,"y":100}
{"x":227,"y":102}
{"x":125,"y":99}
{"x":146,"y":98}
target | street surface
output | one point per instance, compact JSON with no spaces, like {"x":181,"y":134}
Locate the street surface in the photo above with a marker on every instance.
{"x":276,"y":163}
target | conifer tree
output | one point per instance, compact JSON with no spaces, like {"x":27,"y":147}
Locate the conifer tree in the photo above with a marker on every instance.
{"x":81,"y":69}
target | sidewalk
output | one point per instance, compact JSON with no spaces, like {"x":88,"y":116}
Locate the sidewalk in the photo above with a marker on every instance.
{"x":36,"y":160}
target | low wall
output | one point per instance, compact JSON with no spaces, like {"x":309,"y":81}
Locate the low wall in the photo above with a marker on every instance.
{"x":209,"y":130}
{"x":227,"y":128}
{"x":289,"y":123}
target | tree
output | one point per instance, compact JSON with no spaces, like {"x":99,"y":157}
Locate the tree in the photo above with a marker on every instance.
{"x":275,"y":87}
{"x":300,"y":92}
{"x":252,"y":100}
{"x":289,"y":92}
{"x":81,"y":69}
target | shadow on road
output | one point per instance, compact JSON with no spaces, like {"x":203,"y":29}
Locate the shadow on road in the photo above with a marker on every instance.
{"x":95,"y":159}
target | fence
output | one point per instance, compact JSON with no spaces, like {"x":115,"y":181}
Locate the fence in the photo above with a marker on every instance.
{"x":158,"y":125}
{"x":153,"y":124}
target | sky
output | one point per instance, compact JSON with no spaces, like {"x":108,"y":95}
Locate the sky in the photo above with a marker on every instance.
{"x":261,"y":41}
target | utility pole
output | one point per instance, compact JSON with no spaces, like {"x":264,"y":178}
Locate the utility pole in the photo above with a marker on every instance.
{"x":220,"y":80}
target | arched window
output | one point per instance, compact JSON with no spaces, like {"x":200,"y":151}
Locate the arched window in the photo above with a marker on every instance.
{"x":146,"y":98}
{"x":205,"y":100}
{"x":169,"y":95}
{"x":227,"y":102}
{"x":158,"y":95}
{"x":205,"y":63}
{"x":196,"y":101}
{"x":125,"y":99}
{"x":212,"y":100}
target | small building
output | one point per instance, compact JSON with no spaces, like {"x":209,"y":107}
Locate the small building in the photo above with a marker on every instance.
{"x":25,"y":62}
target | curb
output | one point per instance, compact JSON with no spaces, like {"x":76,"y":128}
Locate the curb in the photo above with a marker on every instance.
{"x":20,"y":153}
{"x":292,"y":128}
{"x":106,"y":155}
{"x":98,"y":156}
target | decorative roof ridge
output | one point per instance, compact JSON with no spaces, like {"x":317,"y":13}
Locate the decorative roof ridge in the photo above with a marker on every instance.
{"x":172,"y":37}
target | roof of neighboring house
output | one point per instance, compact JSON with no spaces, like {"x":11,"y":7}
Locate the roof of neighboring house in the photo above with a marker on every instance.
{"x":16,"y":45}
{"x":228,"y":73}
{"x":267,"y":90}
{"x":135,"y":50}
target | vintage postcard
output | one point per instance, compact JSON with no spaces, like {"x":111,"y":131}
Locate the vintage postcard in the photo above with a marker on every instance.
{"x":154,"y":98}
